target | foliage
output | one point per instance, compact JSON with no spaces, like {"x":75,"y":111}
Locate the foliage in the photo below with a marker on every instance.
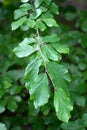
{"x":43,"y":45}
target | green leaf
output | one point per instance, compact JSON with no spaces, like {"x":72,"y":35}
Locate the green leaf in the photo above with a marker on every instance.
{"x":24,"y":1}
{"x":19,"y":13}
{"x":37,"y":3}
{"x":2,"y":126}
{"x":50,"y":22}
{"x":12,"y":105}
{"x":40,"y":25}
{"x":62,"y":105}
{"x":84,"y":26}
{"x":73,"y":125}
{"x":38,"y":12}
{"x":84,"y":119}
{"x":61,"y":48}
{"x":50,"y":53}
{"x":31,"y":23}
{"x":2,"y":105}
{"x":23,"y":10}
{"x":47,"y":2}
{"x":25,"y":6}
{"x":52,"y":38}
{"x":28,"y":40}
{"x":24,"y":50}
{"x":53,"y":8}
{"x":18,"y":23}
{"x":32,"y":70}
{"x":39,"y":90}
{"x":15,"y":90}
{"x":59,"y":75}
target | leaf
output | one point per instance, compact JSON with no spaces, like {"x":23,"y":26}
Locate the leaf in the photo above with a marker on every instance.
{"x":52,"y":38}
{"x":23,"y":10}
{"x":26,"y":6}
{"x":24,"y":1}
{"x":40,"y":25}
{"x":24,"y":50}
{"x":37,"y":3}
{"x":2,"y":105}
{"x":53,"y":8}
{"x":32,"y":70}
{"x":18,"y":23}
{"x":59,"y":75}
{"x":84,"y":26}
{"x":73,"y":125}
{"x":50,"y":22}
{"x":19,"y":13}
{"x":15,"y":90}
{"x":28,"y":40}
{"x":50,"y":53}
{"x":61,"y":48}
{"x":38,"y":12}
{"x":84,"y":119}
{"x":12,"y":105}
{"x":31,"y":23}
{"x":39,"y":91}
{"x":47,"y":2}
{"x":62,"y":105}
{"x":2,"y":126}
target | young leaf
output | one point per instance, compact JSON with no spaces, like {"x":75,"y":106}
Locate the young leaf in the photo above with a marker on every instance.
{"x":50,"y":53}
{"x":39,"y":91}
{"x":50,"y":22}
{"x":24,"y":50}
{"x":62,"y":105}
{"x":32,"y":70}
{"x":58,"y":75}
{"x":18,"y":23}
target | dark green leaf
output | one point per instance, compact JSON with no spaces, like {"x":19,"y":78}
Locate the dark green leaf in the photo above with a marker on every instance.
{"x":47,"y":2}
{"x":12,"y":105}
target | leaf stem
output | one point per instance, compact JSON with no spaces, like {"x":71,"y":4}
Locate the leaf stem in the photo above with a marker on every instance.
{"x":39,"y":44}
